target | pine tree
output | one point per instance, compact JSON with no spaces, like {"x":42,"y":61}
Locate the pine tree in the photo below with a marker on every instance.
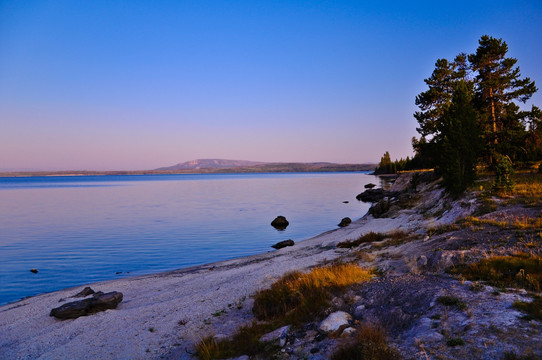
{"x":498,"y":84}
{"x":459,"y":142}
{"x":435,"y":101}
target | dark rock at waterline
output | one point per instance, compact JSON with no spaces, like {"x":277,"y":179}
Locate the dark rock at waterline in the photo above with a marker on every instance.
{"x":345,"y":222}
{"x":370,"y":186}
{"x":280,"y":223}
{"x":375,"y":195}
{"x":283,"y":244}
{"x":34,"y":271}
{"x":371,"y":195}
{"x":85,"y":292}
{"x":346,"y":202}
{"x":98,"y":302}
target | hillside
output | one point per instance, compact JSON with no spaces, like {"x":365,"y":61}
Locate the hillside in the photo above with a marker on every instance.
{"x":241,"y":166}
{"x":210,"y":164}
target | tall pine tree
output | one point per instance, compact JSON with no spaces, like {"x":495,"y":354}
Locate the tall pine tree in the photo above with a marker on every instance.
{"x":498,"y":85}
{"x":459,"y":142}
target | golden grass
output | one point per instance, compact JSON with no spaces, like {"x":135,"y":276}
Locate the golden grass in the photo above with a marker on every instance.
{"x":298,"y":297}
{"x":528,"y":189}
{"x":369,"y":344}
{"x":522,"y":271}
{"x":244,"y":342}
{"x":515,"y":223}
{"x":293,"y":299}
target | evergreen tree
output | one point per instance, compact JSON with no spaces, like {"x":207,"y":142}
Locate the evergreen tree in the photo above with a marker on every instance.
{"x":459,"y":142}
{"x":533,"y":143}
{"x":435,"y":101}
{"x":498,"y":84}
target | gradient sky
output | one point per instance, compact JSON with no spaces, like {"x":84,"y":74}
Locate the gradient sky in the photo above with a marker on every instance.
{"x":126,"y":85}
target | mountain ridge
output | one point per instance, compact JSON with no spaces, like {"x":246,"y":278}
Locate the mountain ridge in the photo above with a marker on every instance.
{"x":210,"y":164}
{"x":244,"y":166}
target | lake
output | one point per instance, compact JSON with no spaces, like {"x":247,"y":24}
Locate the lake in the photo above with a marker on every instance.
{"x":81,"y":229}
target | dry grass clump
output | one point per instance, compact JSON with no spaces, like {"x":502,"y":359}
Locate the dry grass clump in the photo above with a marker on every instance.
{"x":293,"y":299}
{"x":394,"y":238}
{"x":533,"y":308}
{"x":451,"y":300}
{"x":244,"y":342}
{"x":367,"y":238}
{"x":442,"y":229}
{"x":513,"y":356}
{"x":521,"y":270}
{"x":298,"y":297}
{"x":369,"y":344}
{"x":516,"y":223}
{"x":528,"y":189}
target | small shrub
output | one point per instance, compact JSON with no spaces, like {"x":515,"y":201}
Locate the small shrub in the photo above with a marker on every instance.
{"x":522,"y":270}
{"x":504,"y":172}
{"x":369,"y":344}
{"x":244,"y":342}
{"x":533,"y":308}
{"x":455,"y":342}
{"x":476,"y":287}
{"x":452,"y":301}
{"x":367,"y":238}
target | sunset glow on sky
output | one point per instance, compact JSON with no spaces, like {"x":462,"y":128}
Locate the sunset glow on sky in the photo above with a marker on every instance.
{"x":130,"y":85}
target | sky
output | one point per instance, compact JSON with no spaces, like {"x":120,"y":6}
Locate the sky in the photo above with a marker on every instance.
{"x":133,"y":85}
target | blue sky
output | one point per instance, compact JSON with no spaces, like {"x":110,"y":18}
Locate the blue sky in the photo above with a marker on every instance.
{"x":112,"y":85}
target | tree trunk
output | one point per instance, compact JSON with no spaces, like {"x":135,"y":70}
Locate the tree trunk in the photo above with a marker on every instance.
{"x":493,"y":116}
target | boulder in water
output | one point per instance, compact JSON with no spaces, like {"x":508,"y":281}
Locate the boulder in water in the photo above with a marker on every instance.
{"x":280,"y":223}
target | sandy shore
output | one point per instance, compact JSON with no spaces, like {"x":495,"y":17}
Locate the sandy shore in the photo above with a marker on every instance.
{"x":162,"y":315}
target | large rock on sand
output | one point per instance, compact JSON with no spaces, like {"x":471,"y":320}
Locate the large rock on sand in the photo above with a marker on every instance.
{"x":98,"y":302}
{"x":280,"y":223}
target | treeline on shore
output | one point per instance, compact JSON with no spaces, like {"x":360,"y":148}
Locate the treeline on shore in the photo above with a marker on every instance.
{"x":469,"y":117}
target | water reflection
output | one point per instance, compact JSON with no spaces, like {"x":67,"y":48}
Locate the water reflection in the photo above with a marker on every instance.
{"x":76,"y":231}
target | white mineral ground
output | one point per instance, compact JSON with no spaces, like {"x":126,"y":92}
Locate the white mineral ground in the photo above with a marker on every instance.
{"x":163,"y":315}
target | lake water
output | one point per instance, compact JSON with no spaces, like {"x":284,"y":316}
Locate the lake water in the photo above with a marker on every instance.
{"x":81,"y":229}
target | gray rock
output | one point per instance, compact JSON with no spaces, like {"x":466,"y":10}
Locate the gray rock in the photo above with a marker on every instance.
{"x":422,"y":261}
{"x":98,"y":302}
{"x":277,"y":335}
{"x":358,"y":312}
{"x":280,"y":223}
{"x":85,"y":292}
{"x":335,"y":321}
{"x":282,"y":244}
{"x":369,"y":186}
{"x":349,"y":331}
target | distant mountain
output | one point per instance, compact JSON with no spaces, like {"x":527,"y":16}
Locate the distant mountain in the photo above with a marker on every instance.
{"x":210,"y":164}
{"x":241,"y":166}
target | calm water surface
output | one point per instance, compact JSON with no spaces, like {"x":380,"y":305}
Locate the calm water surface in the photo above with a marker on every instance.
{"x":81,"y":229}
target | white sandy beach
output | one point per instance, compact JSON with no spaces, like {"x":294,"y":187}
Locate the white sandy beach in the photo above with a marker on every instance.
{"x":163,"y":314}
